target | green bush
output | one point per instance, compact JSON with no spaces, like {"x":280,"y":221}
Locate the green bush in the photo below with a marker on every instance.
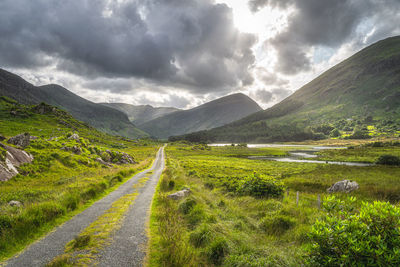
{"x":388,"y":160}
{"x":348,"y":237}
{"x":261,"y":186}
{"x":217,"y":250}
{"x":277,"y":225}
{"x":81,"y":241}
{"x":335,"y":133}
{"x":200,"y":236}
{"x":187,"y":205}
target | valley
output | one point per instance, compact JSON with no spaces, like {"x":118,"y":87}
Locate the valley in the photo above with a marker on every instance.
{"x":313,"y":180}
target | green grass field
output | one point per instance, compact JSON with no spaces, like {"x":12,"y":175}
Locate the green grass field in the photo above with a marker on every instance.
{"x":59,"y":183}
{"x":227,"y":221}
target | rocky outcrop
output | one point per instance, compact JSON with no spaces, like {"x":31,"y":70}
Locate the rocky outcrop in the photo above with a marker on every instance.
{"x":343,"y":186}
{"x":180,"y":194}
{"x":13,"y":158}
{"x":74,"y":137}
{"x":101,"y":161}
{"x":21,"y":140}
{"x":15,"y":203}
{"x":126,"y":159}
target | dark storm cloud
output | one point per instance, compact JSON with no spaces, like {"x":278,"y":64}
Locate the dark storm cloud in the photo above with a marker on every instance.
{"x":191,"y":42}
{"x":256,"y":5}
{"x":267,"y":96}
{"x":270,"y":78}
{"x":328,"y":24}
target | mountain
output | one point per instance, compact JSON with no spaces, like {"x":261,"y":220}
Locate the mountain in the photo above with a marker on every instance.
{"x":141,"y":113}
{"x":101,"y":117}
{"x":360,"y":92}
{"x":212,"y":114}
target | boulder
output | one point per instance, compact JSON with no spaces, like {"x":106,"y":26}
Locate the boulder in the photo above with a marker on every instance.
{"x":13,"y":158}
{"x":15,"y":203}
{"x":127,"y":159}
{"x":2,"y":138}
{"x":101,"y":161}
{"x":74,"y":137}
{"x":180,"y":194}
{"x":21,"y":140}
{"x":343,"y":186}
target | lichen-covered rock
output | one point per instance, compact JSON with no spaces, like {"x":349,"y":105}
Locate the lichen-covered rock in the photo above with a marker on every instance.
{"x":343,"y":186}
{"x":15,"y":203}
{"x":101,"y":161}
{"x":126,"y":159}
{"x":21,"y":140}
{"x":180,"y":194}
{"x":13,"y":158}
{"x":74,"y":137}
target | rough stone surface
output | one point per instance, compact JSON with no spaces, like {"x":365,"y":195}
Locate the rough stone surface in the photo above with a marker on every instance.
{"x":2,"y":138}
{"x":101,"y":161}
{"x":180,"y":194}
{"x":74,"y":137}
{"x":21,"y":140}
{"x":126,"y":159}
{"x":14,"y":158}
{"x":343,"y":186}
{"x":15,"y":203}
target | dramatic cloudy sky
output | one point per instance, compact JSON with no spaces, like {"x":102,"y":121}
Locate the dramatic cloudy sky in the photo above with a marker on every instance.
{"x":184,"y":52}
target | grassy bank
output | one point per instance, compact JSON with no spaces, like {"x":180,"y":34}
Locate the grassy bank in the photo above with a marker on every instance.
{"x":65,"y":176}
{"x":231,"y":219}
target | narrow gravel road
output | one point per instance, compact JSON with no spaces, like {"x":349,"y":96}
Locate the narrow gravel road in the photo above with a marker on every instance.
{"x":129,"y":243}
{"x":126,"y":250}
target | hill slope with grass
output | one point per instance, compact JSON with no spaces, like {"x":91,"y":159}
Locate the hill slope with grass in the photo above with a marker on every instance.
{"x":212,"y":114}
{"x":359,"y":97}
{"x":103,"y":118}
{"x":142,"y":113}
{"x":73,"y":165}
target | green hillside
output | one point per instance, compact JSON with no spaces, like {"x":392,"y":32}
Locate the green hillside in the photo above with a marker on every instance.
{"x":142,"y":113}
{"x":74,"y":164}
{"x":360,"y":97}
{"x":212,"y":114}
{"x":106,"y":119}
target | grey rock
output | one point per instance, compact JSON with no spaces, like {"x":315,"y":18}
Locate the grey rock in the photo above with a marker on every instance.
{"x":180,"y":194}
{"x":127,"y":159}
{"x":14,"y":158}
{"x":15,"y":203}
{"x":21,"y":140}
{"x":101,"y":161}
{"x":74,"y":137}
{"x":343,"y":186}
{"x":2,"y":138}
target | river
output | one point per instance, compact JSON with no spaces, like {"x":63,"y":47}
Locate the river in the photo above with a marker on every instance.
{"x":302,"y":154}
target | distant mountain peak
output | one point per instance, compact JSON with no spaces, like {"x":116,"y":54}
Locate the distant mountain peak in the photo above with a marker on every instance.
{"x":206,"y":116}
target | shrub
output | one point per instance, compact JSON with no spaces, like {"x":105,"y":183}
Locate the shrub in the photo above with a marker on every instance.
{"x":200,"y":236}
{"x":334,"y":133}
{"x":261,"y":186}
{"x":388,"y":160}
{"x":81,"y":241}
{"x":347,"y":237}
{"x":278,"y":224}
{"x":71,"y":201}
{"x":217,"y":250}
{"x":187,"y":205}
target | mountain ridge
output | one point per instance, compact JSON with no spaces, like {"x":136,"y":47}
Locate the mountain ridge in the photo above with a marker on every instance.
{"x":139,"y":114}
{"x":364,"y":87}
{"x":212,"y":114}
{"x":103,"y":118}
